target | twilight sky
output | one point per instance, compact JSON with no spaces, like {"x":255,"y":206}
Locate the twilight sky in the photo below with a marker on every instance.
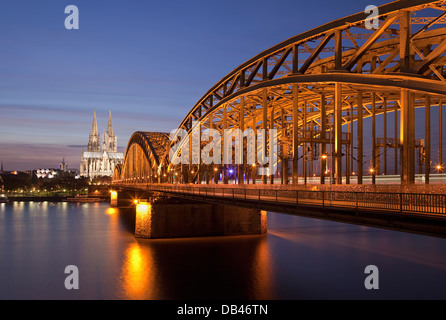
{"x":146,"y":61}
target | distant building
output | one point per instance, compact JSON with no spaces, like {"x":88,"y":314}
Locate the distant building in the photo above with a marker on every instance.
{"x":46,"y":173}
{"x":99,"y":160}
{"x":51,"y":173}
{"x":63,"y":166}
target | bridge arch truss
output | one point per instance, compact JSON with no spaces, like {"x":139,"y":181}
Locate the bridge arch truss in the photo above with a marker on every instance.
{"x":325,"y":91}
{"x":142,"y":160}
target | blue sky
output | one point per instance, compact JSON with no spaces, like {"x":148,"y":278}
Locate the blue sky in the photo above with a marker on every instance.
{"x":146,"y":61}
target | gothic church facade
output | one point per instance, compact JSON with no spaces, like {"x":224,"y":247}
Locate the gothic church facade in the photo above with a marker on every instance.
{"x":100,"y":159}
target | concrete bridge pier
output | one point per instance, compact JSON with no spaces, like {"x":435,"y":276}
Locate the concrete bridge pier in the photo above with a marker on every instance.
{"x":113,"y":198}
{"x":183,"y":218}
{"x":159,"y":216}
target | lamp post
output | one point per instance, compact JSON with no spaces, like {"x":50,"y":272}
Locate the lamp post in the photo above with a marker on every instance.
{"x":372,"y":171}
{"x":215,"y":175}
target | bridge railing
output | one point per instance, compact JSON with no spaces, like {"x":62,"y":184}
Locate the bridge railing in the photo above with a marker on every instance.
{"x":396,"y":202}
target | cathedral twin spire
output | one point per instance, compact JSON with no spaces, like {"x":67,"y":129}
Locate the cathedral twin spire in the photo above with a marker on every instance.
{"x":109,"y":140}
{"x":94,"y":143}
{"x":110,"y":126}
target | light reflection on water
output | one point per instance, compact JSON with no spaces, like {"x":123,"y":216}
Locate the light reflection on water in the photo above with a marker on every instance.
{"x":299,"y":258}
{"x":138,"y":273}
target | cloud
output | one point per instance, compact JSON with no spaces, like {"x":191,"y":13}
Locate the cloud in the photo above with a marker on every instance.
{"x":35,"y":156}
{"x":81,"y":146}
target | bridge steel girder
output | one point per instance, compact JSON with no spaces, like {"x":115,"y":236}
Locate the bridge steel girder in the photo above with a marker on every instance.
{"x":338,"y":74}
{"x":358,"y":89}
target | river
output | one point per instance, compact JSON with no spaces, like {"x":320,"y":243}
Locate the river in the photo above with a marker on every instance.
{"x":299,"y":258}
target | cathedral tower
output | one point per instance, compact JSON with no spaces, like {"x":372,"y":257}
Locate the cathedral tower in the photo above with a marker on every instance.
{"x":109,"y":142}
{"x":94,"y":143}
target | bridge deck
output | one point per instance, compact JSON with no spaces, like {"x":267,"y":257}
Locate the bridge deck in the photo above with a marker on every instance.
{"x":413,"y":212}
{"x":421,"y":203}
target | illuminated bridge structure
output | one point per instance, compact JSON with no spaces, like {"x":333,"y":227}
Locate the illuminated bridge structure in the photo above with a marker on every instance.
{"x":143,"y":157}
{"x":350,"y":105}
{"x":342,"y":98}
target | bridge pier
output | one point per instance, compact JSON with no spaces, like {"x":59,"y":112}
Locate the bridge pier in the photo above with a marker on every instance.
{"x":113,"y":198}
{"x":183,"y":218}
{"x":168,"y":217}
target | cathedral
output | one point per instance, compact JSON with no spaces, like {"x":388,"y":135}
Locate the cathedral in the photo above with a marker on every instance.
{"x":100,"y":160}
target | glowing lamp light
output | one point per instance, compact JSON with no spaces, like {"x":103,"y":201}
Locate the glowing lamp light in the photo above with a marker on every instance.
{"x":324,"y":156}
{"x":372,"y":170}
{"x":136,"y":201}
{"x":253,"y":164}
{"x":231,"y":171}
{"x":215,"y":169}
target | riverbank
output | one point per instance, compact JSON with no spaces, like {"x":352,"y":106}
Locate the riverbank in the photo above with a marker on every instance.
{"x":44,"y":198}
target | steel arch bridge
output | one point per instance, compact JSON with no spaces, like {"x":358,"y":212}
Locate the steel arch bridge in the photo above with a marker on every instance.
{"x":142,"y":160}
{"x":327,"y":92}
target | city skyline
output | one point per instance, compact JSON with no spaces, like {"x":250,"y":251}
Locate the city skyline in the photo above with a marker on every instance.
{"x":148,"y":63}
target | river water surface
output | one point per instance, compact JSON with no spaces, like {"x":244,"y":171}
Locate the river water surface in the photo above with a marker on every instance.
{"x":299,"y":258}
